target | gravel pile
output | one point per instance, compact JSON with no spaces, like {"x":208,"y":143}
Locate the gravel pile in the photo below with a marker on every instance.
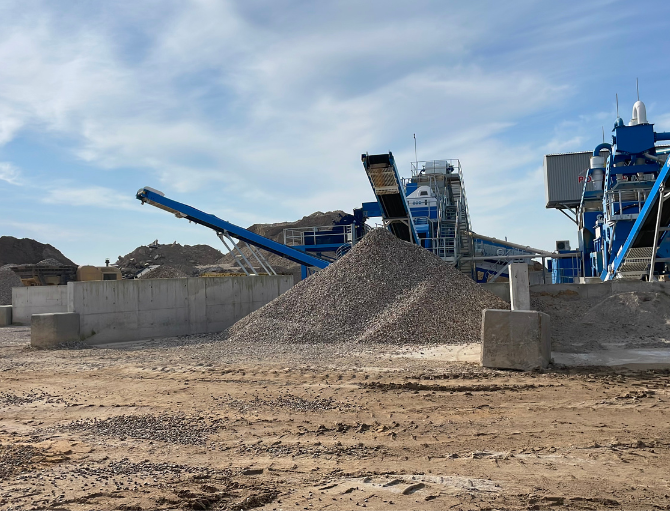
{"x":164,"y":271}
{"x":8,"y":279}
{"x":174,"y":429}
{"x":183,"y":258}
{"x":50,"y":261}
{"x":384,"y":291}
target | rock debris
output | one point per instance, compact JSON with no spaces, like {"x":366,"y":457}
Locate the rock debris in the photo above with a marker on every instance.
{"x":384,"y":291}
{"x":174,"y":429}
{"x":164,"y":271}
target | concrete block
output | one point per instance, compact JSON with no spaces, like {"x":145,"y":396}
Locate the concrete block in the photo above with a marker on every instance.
{"x":47,"y":330}
{"x":501,"y":290}
{"x":5,"y":315}
{"x":519,"y":288}
{"x":520,"y":340}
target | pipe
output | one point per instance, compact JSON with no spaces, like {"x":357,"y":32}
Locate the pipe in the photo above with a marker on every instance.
{"x":596,"y":152}
{"x":661,"y":136}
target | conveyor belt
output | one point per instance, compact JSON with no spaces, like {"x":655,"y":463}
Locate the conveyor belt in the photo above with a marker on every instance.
{"x":642,"y":234}
{"x":157,"y":199}
{"x":385,"y":181}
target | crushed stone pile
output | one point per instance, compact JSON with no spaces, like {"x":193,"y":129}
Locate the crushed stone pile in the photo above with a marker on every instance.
{"x":50,"y":262}
{"x":183,"y":258}
{"x":384,"y":291}
{"x":27,"y":251}
{"x":8,"y":279}
{"x":164,"y":271}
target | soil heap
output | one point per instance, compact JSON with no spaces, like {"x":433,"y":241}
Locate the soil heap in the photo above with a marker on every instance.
{"x":183,"y":258}
{"x":384,"y":291}
{"x":27,"y":251}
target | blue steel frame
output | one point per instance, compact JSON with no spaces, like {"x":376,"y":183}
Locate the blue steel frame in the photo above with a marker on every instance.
{"x":220,"y":226}
{"x":639,"y":222}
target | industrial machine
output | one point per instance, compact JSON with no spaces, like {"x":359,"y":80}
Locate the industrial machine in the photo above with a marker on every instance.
{"x":620,"y":205}
{"x":38,"y":275}
{"x":428,"y":209}
{"x":227,"y":232}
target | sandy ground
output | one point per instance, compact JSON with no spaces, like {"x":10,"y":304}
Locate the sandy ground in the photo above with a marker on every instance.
{"x":175,"y":424}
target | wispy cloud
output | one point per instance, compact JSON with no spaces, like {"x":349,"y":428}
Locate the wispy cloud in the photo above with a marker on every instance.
{"x":96,"y":196}
{"x":10,"y":173}
{"x":260,"y":110}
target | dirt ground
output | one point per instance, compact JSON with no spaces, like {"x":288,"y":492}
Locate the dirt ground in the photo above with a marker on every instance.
{"x":186,"y":424}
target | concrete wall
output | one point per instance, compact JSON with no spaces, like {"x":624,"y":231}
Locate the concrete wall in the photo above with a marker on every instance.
{"x":589,"y":290}
{"x":128,"y":310}
{"x":27,"y":301}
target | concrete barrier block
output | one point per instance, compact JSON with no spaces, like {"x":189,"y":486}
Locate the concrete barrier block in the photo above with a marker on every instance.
{"x":519,"y":288}
{"x":5,"y":315}
{"x":50,"y":329}
{"x":519,"y":340}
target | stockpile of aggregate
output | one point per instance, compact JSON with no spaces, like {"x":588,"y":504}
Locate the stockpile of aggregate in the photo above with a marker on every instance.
{"x":182,"y":258}
{"x":51,"y":262}
{"x":164,"y":271}
{"x":384,"y":291}
{"x":27,"y":251}
{"x":8,"y":279}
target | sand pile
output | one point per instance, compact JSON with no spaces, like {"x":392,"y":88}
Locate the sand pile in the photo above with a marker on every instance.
{"x":383,"y":291}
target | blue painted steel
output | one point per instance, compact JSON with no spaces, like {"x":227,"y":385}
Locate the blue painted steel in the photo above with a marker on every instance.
{"x":634,"y":139}
{"x":641,"y":220}
{"x":600,"y":147}
{"x":219,"y":225}
{"x":372,"y":209}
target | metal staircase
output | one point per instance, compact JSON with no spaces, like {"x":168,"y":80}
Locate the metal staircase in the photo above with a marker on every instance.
{"x":452,"y":226}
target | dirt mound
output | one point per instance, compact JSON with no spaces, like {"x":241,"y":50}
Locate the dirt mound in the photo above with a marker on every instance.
{"x":27,"y":251}
{"x":383,"y":291}
{"x":183,"y":258}
{"x":164,"y":271}
{"x":8,"y":279}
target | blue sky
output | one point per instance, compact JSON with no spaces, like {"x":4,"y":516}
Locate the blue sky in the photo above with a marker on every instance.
{"x":258,"y":111}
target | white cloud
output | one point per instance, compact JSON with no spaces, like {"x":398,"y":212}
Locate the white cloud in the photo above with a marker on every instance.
{"x":97,"y":196}
{"x":10,"y":173}
{"x":43,"y":231}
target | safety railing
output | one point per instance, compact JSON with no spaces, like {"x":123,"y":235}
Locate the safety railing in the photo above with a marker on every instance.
{"x":318,"y":235}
